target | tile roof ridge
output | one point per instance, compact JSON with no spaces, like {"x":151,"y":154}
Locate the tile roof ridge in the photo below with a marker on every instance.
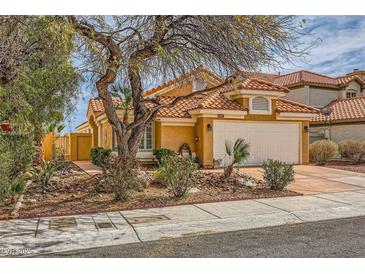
{"x":269,"y":83}
{"x":348,"y":99}
{"x":297,"y":103}
{"x":181,"y":77}
{"x":286,"y":74}
{"x":318,"y":74}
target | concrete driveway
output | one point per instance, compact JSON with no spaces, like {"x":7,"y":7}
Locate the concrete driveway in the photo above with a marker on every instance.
{"x":315,"y":179}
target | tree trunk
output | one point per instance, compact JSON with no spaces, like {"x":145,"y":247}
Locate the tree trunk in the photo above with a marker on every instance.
{"x":228,"y":171}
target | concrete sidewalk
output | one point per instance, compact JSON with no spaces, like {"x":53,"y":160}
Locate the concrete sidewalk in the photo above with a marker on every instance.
{"x":45,"y":235}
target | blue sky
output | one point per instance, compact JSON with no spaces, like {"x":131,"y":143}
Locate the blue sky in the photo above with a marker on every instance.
{"x":340,"y":50}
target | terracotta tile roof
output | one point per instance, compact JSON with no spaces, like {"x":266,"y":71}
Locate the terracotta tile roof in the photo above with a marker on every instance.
{"x":216,"y":100}
{"x":304,"y":77}
{"x":199,"y":69}
{"x":307,"y":77}
{"x":211,"y":100}
{"x":345,"y":109}
{"x":344,"y":80}
{"x":97,"y":104}
{"x":178,"y":111}
{"x":257,"y":84}
{"x":283,"y":105}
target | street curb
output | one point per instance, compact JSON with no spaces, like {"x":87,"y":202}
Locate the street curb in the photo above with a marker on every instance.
{"x":19,"y":202}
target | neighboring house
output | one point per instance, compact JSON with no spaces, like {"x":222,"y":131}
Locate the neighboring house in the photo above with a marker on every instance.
{"x":250,"y":108}
{"x":340,"y":94}
{"x":346,"y":121}
{"x":315,"y":89}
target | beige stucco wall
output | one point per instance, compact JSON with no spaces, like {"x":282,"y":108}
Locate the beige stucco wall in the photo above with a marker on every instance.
{"x":319,"y":97}
{"x":344,"y":131}
{"x":300,"y":95}
{"x":353,"y":85}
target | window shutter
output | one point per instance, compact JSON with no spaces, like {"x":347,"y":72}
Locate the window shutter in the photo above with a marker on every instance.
{"x":260,"y":103}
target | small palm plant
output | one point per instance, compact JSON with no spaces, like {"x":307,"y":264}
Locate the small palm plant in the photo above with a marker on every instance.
{"x":238,"y":153}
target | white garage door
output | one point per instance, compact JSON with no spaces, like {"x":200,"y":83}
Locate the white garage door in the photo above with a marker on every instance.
{"x":279,"y":141}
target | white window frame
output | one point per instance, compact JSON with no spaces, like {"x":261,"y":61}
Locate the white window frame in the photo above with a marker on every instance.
{"x":352,"y":94}
{"x":263,"y":112}
{"x":114,"y":141}
{"x":144,"y":140}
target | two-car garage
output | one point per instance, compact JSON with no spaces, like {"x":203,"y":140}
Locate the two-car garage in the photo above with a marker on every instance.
{"x":267,"y":140}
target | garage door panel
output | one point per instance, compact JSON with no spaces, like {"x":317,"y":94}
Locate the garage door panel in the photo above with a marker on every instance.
{"x":267,"y":140}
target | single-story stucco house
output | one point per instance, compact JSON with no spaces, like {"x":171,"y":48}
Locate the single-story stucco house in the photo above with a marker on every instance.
{"x":253,"y":109}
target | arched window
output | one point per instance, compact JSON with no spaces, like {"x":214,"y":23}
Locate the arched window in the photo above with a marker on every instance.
{"x":260,"y":105}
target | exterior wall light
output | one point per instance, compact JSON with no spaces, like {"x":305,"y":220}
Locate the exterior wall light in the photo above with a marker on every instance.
{"x":209,"y":127}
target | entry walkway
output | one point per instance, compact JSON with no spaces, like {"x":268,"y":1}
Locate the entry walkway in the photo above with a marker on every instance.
{"x":88,"y":167}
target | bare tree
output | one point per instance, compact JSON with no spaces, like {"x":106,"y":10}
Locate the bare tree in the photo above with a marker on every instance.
{"x":138,"y":49}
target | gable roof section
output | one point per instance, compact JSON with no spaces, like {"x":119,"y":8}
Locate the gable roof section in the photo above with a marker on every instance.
{"x":351,"y":109}
{"x":214,"y":100}
{"x":344,"y":80}
{"x":258,"y":84}
{"x":97,"y":104}
{"x":180,"y":110}
{"x":283,"y":105}
{"x":305,"y":77}
{"x":199,"y":69}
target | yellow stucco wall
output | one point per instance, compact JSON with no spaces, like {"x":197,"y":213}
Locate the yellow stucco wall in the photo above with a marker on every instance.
{"x":106,"y":135}
{"x":305,"y":142}
{"x":172,"y":137}
{"x":185,"y":89}
{"x":204,"y":144}
{"x":73,"y":146}
{"x":68,"y":143}
{"x":180,"y":90}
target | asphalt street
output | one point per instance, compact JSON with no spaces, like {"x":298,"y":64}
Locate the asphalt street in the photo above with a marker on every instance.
{"x":334,"y":238}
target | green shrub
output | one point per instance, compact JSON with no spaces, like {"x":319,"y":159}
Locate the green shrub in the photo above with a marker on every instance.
{"x":9,"y":188}
{"x":42,"y":174}
{"x":353,"y":150}
{"x":16,"y":156}
{"x":278,"y":174}
{"x":122,"y":177}
{"x":100,"y":155}
{"x":320,"y":152}
{"x":19,"y":152}
{"x":177,"y":173}
{"x":161,"y":153}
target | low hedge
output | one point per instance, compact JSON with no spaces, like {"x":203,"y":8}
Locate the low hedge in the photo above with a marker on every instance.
{"x":99,"y":155}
